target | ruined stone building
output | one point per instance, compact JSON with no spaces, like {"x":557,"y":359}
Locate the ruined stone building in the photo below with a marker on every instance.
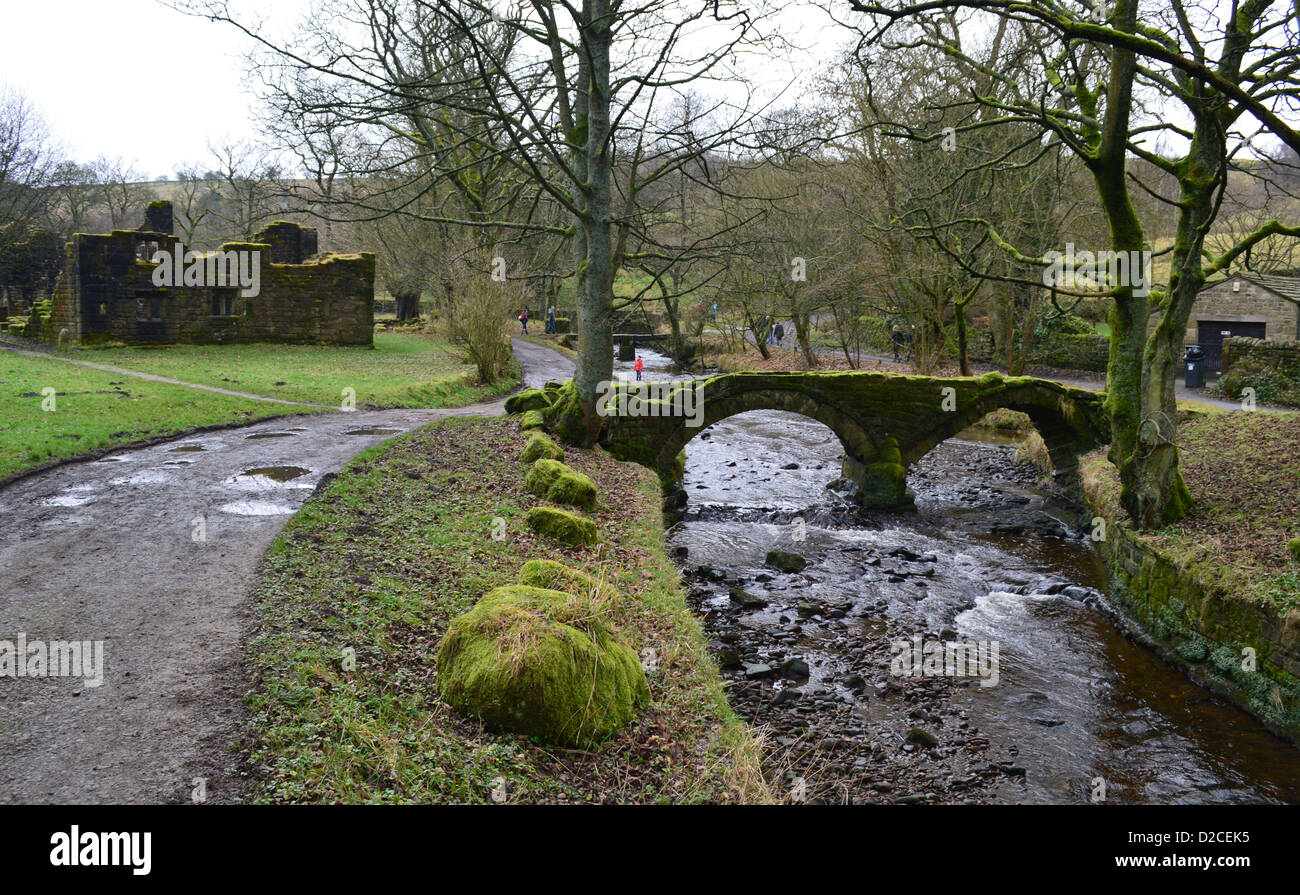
{"x":110,"y":290}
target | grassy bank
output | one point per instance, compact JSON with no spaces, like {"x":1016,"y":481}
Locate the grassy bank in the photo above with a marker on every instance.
{"x":402,"y":370}
{"x":94,"y":410}
{"x":379,"y":563}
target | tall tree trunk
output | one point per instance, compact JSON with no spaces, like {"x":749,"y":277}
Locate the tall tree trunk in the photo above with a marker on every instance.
{"x":963,"y":356}
{"x":596,"y":275}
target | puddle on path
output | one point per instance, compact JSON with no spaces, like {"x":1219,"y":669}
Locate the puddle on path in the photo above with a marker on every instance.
{"x":257,"y":508}
{"x":148,"y":477}
{"x":278,"y":474}
{"x":187,"y":449}
{"x":264,"y":435}
{"x":66,"y":500}
{"x":374,"y":432}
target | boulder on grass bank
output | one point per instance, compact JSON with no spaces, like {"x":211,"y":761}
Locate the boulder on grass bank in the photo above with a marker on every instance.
{"x":556,"y":482}
{"x":541,"y":447}
{"x":531,"y":420}
{"x":561,"y":526}
{"x":528,"y":399}
{"x":538,"y":663}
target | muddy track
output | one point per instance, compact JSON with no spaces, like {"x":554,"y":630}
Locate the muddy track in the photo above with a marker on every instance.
{"x":114,"y":551}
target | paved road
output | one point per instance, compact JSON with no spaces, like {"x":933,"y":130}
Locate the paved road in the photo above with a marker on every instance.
{"x":106,"y":551}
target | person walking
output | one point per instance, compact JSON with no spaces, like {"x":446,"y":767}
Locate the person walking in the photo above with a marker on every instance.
{"x":639,"y":366}
{"x":779,"y":332}
{"x":523,"y":321}
{"x":550,"y":320}
{"x":897,"y":338}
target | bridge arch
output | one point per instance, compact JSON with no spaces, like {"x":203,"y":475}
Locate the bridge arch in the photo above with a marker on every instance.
{"x":885,"y":422}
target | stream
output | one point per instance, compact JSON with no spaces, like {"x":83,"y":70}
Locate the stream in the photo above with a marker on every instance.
{"x":1055,"y":705}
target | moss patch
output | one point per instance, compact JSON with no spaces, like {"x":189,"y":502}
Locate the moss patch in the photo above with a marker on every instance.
{"x":541,"y":447}
{"x":786,"y":562}
{"x":528,"y":399}
{"x":538,"y":662}
{"x":556,"y":482}
{"x":561,"y":526}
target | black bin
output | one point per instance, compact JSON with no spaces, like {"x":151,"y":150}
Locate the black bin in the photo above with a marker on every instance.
{"x":1194,"y":361}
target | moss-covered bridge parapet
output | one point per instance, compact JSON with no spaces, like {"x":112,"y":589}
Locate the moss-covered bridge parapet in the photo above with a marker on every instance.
{"x":885,"y":422}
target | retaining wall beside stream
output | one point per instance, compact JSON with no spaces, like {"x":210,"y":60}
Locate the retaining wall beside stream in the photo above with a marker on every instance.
{"x":1195,"y":623}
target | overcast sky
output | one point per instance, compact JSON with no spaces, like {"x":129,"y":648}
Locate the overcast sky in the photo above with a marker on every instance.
{"x":129,"y":78}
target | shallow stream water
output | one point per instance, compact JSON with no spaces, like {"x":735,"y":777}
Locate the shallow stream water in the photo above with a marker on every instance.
{"x":1078,"y":712}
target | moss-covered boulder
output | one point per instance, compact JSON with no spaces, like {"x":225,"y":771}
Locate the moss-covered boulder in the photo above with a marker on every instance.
{"x":537,"y":662}
{"x":532,"y":420}
{"x":542,"y":474}
{"x":573,"y":489}
{"x":540,"y":447}
{"x":786,"y":562}
{"x":564,"y":417}
{"x":551,"y":575}
{"x":558,"y":483}
{"x":528,"y":399}
{"x":561,"y":526}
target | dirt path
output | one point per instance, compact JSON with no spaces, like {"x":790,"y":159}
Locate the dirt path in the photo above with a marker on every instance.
{"x":107,"y":551}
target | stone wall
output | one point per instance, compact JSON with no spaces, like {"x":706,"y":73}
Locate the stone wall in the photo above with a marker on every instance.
{"x":106,"y":293}
{"x":1272,"y":369}
{"x":1194,"y":623}
{"x":1282,"y":357}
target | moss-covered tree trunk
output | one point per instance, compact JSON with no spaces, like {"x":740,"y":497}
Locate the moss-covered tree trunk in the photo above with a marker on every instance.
{"x":596,"y":272}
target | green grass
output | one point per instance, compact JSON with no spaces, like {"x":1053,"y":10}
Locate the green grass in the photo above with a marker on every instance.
{"x":402,"y":370}
{"x":382,"y":560}
{"x":93,"y":410}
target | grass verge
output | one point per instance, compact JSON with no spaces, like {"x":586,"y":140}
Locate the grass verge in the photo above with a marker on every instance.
{"x":94,"y":410}
{"x":402,"y":370}
{"x":382,"y":559}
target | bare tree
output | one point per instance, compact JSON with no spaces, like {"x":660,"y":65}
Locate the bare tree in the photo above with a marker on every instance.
{"x":119,"y":192}
{"x":534,"y":92}
{"x":195,"y":201}
{"x":248,"y":187}
{"x":1097,"y":67}
{"x":29,"y":161}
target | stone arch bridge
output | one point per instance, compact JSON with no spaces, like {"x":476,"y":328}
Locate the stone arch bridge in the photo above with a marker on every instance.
{"x":885,"y":422}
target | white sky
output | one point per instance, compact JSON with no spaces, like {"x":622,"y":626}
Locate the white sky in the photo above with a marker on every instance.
{"x":138,"y":80}
{"x":129,"y":78}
